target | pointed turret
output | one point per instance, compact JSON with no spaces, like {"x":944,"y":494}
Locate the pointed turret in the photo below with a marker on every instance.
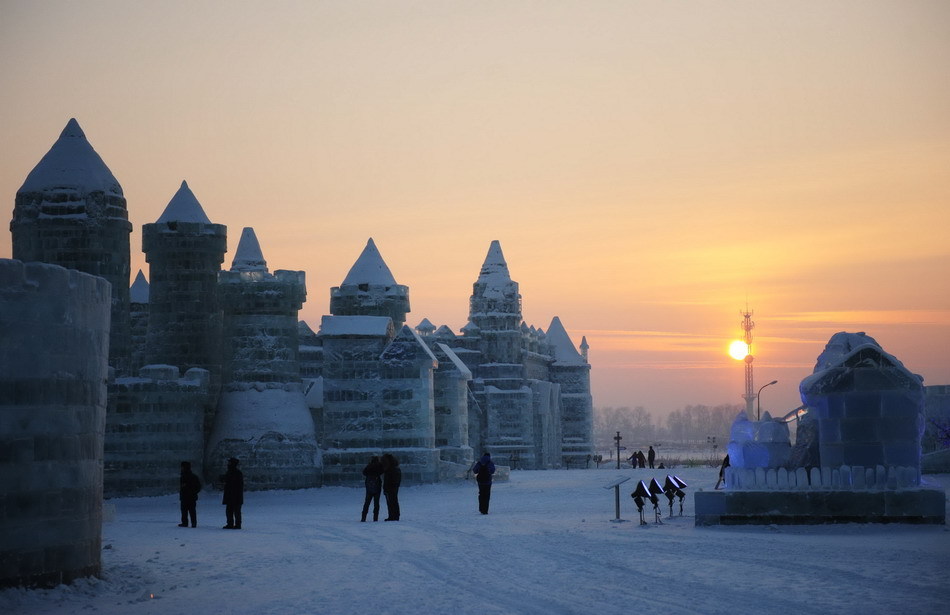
{"x":370,"y":289}
{"x":425,"y":327}
{"x":184,"y":250}
{"x":494,"y":269}
{"x":73,"y":165}
{"x":184,"y":207}
{"x":370,"y":268}
{"x":138,"y":321}
{"x":138,"y":292}
{"x":584,"y":348}
{"x":572,"y":372}
{"x":70,"y":211}
{"x":248,"y":256}
{"x":495,"y":308}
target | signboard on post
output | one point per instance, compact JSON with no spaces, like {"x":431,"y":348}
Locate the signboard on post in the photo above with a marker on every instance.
{"x":616,"y":485}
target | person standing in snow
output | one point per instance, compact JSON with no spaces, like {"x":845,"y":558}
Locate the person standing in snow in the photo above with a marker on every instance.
{"x":188,"y":489}
{"x":722,"y":471}
{"x":233,"y":495}
{"x":651,"y":456}
{"x":483,"y":470}
{"x":633,"y":459}
{"x":392,"y":476}
{"x":374,"y":484}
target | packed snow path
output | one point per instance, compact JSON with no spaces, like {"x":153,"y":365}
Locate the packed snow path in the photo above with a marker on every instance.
{"x":547,"y":547}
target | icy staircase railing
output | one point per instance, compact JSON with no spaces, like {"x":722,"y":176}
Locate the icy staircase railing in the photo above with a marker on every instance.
{"x":844,"y":478}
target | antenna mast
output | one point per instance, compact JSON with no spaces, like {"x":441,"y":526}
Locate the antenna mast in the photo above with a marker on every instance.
{"x":747,"y":326}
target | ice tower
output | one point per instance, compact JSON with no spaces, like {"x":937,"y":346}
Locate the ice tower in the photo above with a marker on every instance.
{"x":507,"y":426}
{"x":138,"y":320}
{"x":370,"y":289}
{"x":571,"y":370}
{"x":54,"y":335}
{"x":262,"y":417}
{"x":71,"y":212}
{"x":184,"y":250}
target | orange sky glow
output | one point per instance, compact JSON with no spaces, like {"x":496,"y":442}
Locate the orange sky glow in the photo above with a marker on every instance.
{"x":649,"y":168}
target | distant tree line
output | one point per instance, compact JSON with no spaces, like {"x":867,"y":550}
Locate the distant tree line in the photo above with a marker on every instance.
{"x":689,"y":427}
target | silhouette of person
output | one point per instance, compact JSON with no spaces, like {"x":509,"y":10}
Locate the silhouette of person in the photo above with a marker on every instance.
{"x":188,"y":489}
{"x":641,"y":460}
{"x":633,"y":459}
{"x":392,"y":476}
{"x":651,"y":456}
{"x":483,"y":470}
{"x":374,"y":484}
{"x":233,"y":497}
{"x":722,"y":471}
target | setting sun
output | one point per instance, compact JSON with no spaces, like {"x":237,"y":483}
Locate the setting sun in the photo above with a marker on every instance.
{"x":738,"y":350}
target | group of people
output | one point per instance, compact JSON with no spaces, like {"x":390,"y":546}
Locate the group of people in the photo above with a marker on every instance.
{"x":639,"y":460}
{"x":233,"y":498}
{"x":382,"y":475}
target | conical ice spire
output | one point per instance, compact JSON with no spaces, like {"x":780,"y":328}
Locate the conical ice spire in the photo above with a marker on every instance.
{"x":138,"y":292}
{"x":248,"y":256}
{"x":370,"y":268}
{"x":494,"y":269}
{"x":73,"y":164}
{"x":184,"y":207}
{"x":564,"y":351}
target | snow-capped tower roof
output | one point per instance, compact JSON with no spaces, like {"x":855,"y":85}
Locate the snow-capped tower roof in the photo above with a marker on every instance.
{"x":138,"y":292}
{"x":425,"y":327}
{"x":248,"y":256}
{"x":564,"y":351}
{"x":184,"y":207}
{"x":494,"y":269}
{"x":370,"y":268}
{"x":73,"y":164}
{"x":370,"y":289}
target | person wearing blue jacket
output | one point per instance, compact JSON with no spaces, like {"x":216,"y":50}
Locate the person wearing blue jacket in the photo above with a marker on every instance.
{"x":483,"y":470}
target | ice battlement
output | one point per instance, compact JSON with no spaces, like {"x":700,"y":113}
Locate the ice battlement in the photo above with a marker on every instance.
{"x":846,"y":478}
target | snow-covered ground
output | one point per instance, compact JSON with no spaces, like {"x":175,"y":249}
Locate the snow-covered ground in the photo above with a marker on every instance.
{"x":547,"y":547}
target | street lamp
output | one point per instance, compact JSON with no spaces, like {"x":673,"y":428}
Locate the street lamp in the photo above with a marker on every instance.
{"x":758,"y":400}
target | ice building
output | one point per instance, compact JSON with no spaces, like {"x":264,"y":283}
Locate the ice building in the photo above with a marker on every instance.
{"x":54,"y":336}
{"x":70,"y":211}
{"x":857,"y":454}
{"x":209,"y":364}
{"x":529,"y":402}
{"x":262,"y":416}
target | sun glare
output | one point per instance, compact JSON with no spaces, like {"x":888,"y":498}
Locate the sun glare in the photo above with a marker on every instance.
{"x":738,"y":350}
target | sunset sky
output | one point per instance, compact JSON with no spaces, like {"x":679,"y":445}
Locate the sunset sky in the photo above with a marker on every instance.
{"x":650,"y":168}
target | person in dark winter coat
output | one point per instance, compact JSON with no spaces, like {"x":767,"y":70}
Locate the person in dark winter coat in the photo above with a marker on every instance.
{"x":188,"y":489}
{"x":483,"y":470}
{"x":722,"y":471}
{"x":641,"y":460}
{"x":233,"y":494}
{"x":651,"y":456}
{"x":392,"y":476}
{"x":374,"y":484}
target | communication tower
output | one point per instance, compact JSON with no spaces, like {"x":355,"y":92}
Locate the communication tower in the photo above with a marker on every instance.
{"x":747,"y":326}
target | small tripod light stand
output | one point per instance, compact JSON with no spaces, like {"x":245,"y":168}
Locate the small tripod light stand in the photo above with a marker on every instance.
{"x":673,"y":487}
{"x":640,"y":495}
{"x":655,"y":490}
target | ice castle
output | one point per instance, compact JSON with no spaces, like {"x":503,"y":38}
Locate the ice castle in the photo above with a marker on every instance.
{"x":210,"y":363}
{"x":205,"y":363}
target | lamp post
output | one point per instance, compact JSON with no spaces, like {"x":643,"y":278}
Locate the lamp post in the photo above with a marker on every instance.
{"x":758,"y":400}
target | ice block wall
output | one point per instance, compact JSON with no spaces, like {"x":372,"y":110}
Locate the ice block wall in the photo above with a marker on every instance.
{"x":54,"y":344}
